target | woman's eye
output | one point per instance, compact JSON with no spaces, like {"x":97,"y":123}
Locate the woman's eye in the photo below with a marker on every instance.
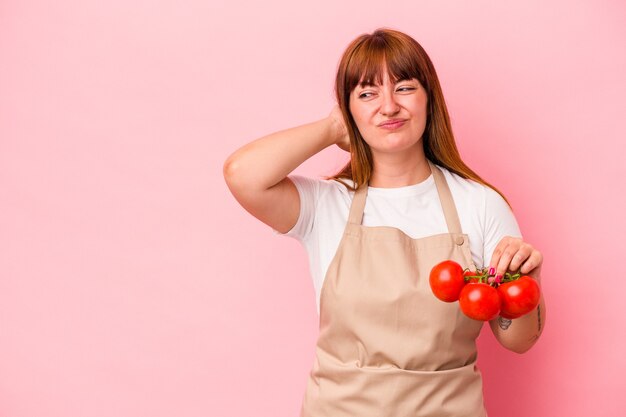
{"x":367,"y":95}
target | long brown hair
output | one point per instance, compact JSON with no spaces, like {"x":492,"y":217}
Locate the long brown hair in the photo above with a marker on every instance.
{"x":404,"y":58}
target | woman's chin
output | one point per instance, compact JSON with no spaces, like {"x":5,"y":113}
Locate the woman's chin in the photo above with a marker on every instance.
{"x":391,"y":146}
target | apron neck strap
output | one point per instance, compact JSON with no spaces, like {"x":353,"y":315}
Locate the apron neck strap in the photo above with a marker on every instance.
{"x":447,"y":202}
{"x":445,"y":197}
{"x":358,"y":205}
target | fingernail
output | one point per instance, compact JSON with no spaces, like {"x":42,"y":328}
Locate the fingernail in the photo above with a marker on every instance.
{"x":492,"y":270}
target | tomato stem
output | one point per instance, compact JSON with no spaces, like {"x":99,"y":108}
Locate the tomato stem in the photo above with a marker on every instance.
{"x":483,"y":275}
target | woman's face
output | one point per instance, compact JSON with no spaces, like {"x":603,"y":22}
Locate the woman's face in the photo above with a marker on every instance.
{"x":372,"y":105}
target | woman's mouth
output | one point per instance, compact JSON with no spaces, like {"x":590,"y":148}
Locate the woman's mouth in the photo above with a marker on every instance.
{"x":393,"y":125}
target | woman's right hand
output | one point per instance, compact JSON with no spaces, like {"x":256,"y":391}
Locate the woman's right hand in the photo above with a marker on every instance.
{"x":257,"y":173}
{"x":343,"y":139}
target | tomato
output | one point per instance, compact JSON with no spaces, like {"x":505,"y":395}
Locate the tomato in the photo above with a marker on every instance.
{"x":447,"y":281}
{"x":518,"y":297}
{"x":479,"y":301}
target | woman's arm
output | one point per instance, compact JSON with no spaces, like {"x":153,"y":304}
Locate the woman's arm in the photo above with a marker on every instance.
{"x":256,"y":173}
{"x":520,"y":334}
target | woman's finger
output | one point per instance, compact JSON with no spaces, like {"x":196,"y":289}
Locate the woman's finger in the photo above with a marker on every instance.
{"x":497,"y":252}
{"x":522,"y":254}
{"x":505,"y":259}
{"x":502,"y":254}
{"x":534,"y":260}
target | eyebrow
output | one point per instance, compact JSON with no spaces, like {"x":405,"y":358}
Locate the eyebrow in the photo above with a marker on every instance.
{"x":365,"y":84}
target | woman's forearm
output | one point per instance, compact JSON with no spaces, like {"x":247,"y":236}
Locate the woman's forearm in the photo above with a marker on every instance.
{"x":265,"y":161}
{"x":520,"y":334}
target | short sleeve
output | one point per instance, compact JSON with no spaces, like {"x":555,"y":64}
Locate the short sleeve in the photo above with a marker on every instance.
{"x":308,"y":189}
{"x":499,"y":221}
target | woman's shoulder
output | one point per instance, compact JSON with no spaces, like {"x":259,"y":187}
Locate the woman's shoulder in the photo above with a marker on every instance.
{"x":464,"y":186}
{"x":475,"y":193}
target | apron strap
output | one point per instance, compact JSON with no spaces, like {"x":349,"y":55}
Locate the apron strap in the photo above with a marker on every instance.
{"x":445,"y":196}
{"x":447,"y":202}
{"x":358,"y":205}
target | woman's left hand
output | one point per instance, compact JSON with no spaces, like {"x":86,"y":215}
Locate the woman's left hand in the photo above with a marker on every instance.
{"x":513,"y":252}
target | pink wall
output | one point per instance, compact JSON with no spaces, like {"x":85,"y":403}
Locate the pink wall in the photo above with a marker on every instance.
{"x":133,"y":284}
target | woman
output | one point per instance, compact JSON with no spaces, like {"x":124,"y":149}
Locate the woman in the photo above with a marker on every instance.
{"x":404,"y":202}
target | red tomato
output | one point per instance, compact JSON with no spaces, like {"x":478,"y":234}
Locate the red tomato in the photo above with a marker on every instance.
{"x":479,"y":301}
{"x":518,"y":297}
{"x":446,"y":280}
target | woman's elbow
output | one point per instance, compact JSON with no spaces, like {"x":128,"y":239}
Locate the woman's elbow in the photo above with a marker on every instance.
{"x":519,"y":348}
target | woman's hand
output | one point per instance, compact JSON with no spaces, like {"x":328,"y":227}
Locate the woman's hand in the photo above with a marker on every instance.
{"x":343,"y":139}
{"x":513,"y":252}
{"x":519,"y":334}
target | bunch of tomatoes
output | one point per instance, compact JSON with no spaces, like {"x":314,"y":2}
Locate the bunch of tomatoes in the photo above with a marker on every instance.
{"x":481,"y":296}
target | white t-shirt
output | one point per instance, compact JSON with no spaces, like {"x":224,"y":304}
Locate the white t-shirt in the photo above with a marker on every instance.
{"x":415,"y":209}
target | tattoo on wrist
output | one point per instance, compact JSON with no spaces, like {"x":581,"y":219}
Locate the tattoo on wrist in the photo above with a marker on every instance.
{"x":504,"y":323}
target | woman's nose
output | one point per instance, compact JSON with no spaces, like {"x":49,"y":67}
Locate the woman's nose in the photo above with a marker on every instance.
{"x":388,"y":105}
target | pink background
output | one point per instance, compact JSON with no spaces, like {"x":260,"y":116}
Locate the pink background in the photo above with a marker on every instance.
{"x":133,"y":284}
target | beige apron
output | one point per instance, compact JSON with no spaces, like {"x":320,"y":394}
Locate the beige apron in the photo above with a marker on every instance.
{"x":387,"y":347}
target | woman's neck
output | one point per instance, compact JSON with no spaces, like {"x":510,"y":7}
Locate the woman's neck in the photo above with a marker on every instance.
{"x":399,"y":169}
